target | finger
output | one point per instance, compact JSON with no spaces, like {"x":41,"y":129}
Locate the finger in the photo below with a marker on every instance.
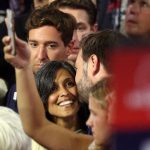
{"x":7,"y":49}
{"x":6,"y":40}
{"x":7,"y":55}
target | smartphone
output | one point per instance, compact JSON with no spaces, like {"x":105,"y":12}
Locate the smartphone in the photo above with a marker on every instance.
{"x":10,"y":29}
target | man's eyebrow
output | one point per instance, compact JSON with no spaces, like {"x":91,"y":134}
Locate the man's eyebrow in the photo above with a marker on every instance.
{"x":80,"y":23}
{"x":31,"y":40}
{"x":51,"y":42}
{"x":47,"y":42}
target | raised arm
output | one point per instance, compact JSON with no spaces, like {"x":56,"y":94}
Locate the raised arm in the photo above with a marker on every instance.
{"x":31,"y":108}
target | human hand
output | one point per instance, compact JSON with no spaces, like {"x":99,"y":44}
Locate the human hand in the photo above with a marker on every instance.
{"x":22,"y":57}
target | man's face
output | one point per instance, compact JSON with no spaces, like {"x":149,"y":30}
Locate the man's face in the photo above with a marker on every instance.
{"x":137,"y":22}
{"x":83,"y":26}
{"x":82,"y":79}
{"x":98,"y":121}
{"x":63,"y":101}
{"x":45,"y":44}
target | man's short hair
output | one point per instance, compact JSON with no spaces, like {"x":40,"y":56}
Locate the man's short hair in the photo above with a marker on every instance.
{"x":101,"y":43}
{"x":46,"y":16}
{"x":86,"y":5}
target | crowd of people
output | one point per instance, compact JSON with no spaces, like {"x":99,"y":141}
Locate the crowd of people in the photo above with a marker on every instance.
{"x":60,"y":82}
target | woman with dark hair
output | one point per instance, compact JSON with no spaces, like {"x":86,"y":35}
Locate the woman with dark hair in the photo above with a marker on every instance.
{"x":57,"y":89}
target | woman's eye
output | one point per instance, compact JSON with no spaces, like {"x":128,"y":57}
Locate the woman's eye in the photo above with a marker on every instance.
{"x":70,"y":83}
{"x":54,"y":88}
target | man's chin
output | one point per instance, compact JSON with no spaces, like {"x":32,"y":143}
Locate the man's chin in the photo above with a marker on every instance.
{"x":132,"y":32}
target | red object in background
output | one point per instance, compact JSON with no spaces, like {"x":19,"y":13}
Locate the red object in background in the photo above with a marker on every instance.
{"x":132,"y":83}
{"x":112,"y":5}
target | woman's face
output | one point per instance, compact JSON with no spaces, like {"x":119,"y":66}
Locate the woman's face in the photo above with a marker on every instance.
{"x":63,"y":101}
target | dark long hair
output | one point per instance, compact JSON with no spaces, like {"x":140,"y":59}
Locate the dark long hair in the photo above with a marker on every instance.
{"x":44,"y":80}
